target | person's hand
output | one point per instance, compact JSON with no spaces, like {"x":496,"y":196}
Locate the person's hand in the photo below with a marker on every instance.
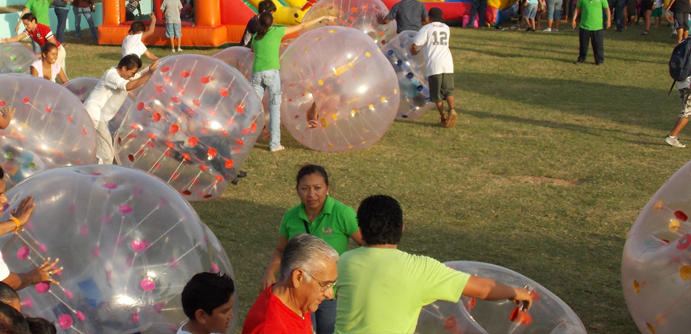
{"x":331,"y":18}
{"x":573,"y":24}
{"x":152,"y":16}
{"x":24,"y":210}
{"x":609,"y":24}
{"x":8,"y":112}
{"x":43,"y":272}
{"x":523,"y":295}
{"x":380,"y":18}
{"x":267,"y":281}
{"x":153,"y":66}
{"x":3,"y":40}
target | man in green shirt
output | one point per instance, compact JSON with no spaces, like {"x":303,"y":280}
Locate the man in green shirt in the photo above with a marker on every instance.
{"x":382,"y":289}
{"x":591,"y":28}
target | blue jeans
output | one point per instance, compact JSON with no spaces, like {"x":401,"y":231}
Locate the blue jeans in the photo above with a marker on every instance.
{"x":618,"y":6}
{"x":78,"y":21}
{"x":61,"y":13}
{"x":324,"y":320}
{"x":479,"y":8}
{"x":271,"y":79}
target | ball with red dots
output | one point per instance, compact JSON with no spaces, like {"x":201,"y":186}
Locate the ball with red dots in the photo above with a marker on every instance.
{"x":547,"y":314}
{"x":128,"y":244}
{"x":339,"y":91}
{"x":192,"y":125}
{"x":82,"y":88}
{"x":49,"y":129}
{"x":656,"y":264}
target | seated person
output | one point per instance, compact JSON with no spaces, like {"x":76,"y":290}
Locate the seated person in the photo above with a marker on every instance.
{"x":132,"y":44}
{"x":47,"y":67}
{"x":207,"y":301}
{"x":308,"y":275}
{"x":18,"y":217}
{"x":382,"y":289}
{"x":10,"y":297}
{"x":40,"y":326}
{"x":6,"y":114}
{"x":11,"y":321}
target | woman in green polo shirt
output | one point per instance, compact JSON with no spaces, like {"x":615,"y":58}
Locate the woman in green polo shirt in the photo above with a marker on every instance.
{"x":265,"y":70}
{"x":323,"y":217}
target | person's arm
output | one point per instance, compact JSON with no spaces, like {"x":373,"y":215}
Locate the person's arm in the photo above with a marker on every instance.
{"x":274,"y":265}
{"x":609,"y":18}
{"x":414,"y":49}
{"x":670,"y":5}
{"x":53,"y":40}
{"x":303,"y":25}
{"x":381,"y":19}
{"x":142,"y":80}
{"x":7,"y":113}
{"x":575,"y":15}
{"x":40,"y":274}
{"x":489,"y":289}
{"x":152,"y":26}
{"x":21,"y":213}
{"x":34,"y":71}
{"x":357,"y":237}
{"x":24,"y":11}
{"x":14,"y":39}
{"x":62,"y":76}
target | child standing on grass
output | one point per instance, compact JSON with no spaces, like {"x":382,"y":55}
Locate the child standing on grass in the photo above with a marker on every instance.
{"x":171,"y":10}
{"x":529,"y":14}
{"x":684,"y":92}
{"x":433,"y":38}
{"x":132,"y":44}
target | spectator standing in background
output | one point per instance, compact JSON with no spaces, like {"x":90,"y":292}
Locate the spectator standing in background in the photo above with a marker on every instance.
{"x":409,"y":15}
{"x":84,"y":7}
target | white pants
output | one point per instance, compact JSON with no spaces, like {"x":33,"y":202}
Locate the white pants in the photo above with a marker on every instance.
{"x":104,"y":144}
{"x":61,"y":58}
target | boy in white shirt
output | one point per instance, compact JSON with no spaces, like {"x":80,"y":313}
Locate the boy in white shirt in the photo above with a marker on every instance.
{"x":132,"y":44}
{"x":433,"y":39}
{"x":109,"y":95}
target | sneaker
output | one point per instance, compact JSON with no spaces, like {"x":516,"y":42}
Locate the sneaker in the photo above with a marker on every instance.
{"x":555,"y":30}
{"x":452,"y":118}
{"x":674,"y":141}
{"x":280,"y":148}
{"x":548,"y":29}
{"x":179,"y":50}
{"x":172,"y":50}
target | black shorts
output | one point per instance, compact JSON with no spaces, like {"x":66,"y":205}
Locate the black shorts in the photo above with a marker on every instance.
{"x":440,"y":86}
{"x":647,"y":5}
{"x":681,"y":21}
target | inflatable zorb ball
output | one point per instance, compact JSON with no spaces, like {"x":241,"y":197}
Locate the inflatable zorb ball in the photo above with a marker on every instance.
{"x":128,"y":244}
{"x":358,"y":14}
{"x":548,"y":313}
{"x":82,"y":88}
{"x":656,"y":264}
{"x":192,"y":125}
{"x":412,"y":76}
{"x":350,"y":82}
{"x":50,"y":128}
{"x":16,"y":58}
{"x":242,"y":59}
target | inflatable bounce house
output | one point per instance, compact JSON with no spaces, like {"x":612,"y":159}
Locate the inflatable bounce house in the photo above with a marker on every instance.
{"x":455,"y":11}
{"x":216,"y":22}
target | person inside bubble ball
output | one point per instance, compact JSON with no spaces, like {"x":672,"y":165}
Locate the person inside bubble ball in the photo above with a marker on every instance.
{"x":329,"y":99}
{"x":383,"y":290}
{"x":47,"y":67}
{"x":308,"y":276}
{"x":18,"y":217}
{"x":207,"y":301}
{"x":265,"y":45}
{"x":322,"y":216}
{"x":109,"y":95}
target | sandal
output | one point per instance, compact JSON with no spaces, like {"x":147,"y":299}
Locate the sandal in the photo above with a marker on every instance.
{"x":452,"y":118}
{"x":645,"y":32}
{"x":443,"y":120}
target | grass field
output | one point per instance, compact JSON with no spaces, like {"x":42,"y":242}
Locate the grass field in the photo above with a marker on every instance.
{"x":547,"y":169}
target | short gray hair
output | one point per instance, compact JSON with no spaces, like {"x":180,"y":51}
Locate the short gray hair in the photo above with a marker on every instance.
{"x":307,"y":252}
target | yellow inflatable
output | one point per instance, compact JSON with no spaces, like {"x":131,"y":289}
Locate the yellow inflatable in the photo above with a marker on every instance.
{"x":288,"y":12}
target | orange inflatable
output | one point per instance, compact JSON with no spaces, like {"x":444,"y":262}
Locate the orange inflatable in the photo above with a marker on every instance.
{"x":218,"y":22}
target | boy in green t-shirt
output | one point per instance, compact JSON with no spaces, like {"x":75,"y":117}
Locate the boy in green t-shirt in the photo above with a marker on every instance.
{"x":382,"y":289}
{"x":591,"y":28}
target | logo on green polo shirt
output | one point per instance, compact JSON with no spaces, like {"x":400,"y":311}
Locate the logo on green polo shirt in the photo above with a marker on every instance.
{"x":327,"y":230}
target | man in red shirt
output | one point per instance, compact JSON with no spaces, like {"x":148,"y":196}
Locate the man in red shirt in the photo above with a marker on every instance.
{"x":41,"y":34}
{"x":308,"y":275}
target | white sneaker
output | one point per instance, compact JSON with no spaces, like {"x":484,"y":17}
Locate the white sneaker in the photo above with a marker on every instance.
{"x":280,"y":148}
{"x":674,"y":141}
{"x":172,"y":50}
{"x":548,"y":30}
{"x":555,"y":30}
{"x":179,"y":50}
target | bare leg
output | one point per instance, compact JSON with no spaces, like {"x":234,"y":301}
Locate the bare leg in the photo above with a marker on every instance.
{"x":172,"y":43}
{"x":646,"y":19}
{"x":556,"y":24}
{"x":179,"y":42}
{"x":549,"y":24}
{"x":680,"y":35}
{"x":681,"y":123}
{"x":452,"y":113}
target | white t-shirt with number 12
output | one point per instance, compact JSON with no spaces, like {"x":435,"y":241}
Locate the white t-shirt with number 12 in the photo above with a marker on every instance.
{"x":433,"y":39}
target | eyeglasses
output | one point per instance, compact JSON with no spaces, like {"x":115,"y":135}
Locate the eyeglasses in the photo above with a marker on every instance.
{"x":324,"y":286}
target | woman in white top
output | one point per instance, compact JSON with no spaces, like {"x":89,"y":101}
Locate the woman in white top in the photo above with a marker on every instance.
{"x":47,"y":67}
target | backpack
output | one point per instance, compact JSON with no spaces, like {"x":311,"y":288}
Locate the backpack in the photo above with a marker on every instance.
{"x":680,"y":62}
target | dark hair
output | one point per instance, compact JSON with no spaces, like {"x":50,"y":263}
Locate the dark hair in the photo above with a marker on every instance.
{"x":130,"y":61}
{"x":266,"y":19}
{"x":48,"y":47}
{"x":380,"y":219}
{"x":266,"y":6}
{"x":309,"y":170}
{"x":137,"y":27}
{"x":7,"y":294}
{"x":29,"y":17}
{"x":13,"y":320}
{"x":435,"y":14}
{"x":206,"y":291}
{"x":2,"y":173}
{"x":40,"y":326}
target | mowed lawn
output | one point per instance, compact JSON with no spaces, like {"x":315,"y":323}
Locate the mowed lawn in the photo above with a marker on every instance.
{"x":545,"y":172}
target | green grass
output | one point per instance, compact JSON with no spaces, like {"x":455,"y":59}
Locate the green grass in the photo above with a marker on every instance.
{"x":547,"y":169}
